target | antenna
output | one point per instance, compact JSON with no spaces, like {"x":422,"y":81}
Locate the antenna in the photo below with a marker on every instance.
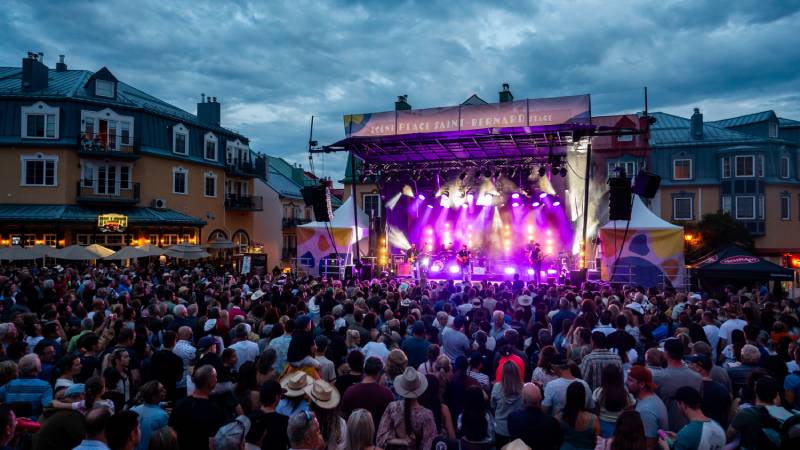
{"x":311,"y":144}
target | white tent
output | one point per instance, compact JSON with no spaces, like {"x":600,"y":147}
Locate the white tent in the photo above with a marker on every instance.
{"x":99,"y":250}
{"x":74,"y":252}
{"x":647,"y":251}
{"x":186,"y":251}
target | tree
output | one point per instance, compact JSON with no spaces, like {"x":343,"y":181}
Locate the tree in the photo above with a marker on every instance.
{"x":715,"y":231}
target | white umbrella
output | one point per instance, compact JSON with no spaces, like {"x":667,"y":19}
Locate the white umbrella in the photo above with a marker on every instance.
{"x":40,"y":251}
{"x":14,"y":253}
{"x":187,"y":251}
{"x":74,"y":252}
{"x":99,"y":251}
{"x":151,"y":250}
{"x":128,"y":253}
{"x":220,"y":244}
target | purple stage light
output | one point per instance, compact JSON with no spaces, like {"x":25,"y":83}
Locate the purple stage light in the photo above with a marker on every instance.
{"x":531,"y":272}
{"x":557,"y":203}
{"x":537,"y":203}
{"x":430,"y":206}
{"x":454,"y":269}
{"x":437,"y":266}
{"x":515,"y":204}
{"x":509,"y":270}
{"x":552,"y":271}
{"x":421,"y":197}
{"x":470,"y":198}
{"x":542,"y":195}
{"x":515,"y":195}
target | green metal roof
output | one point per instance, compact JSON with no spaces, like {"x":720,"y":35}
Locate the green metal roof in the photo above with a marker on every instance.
{"x":747,"y":119}
{"x":784,"y":122}
{"x":71,"y":84}
{"x":282,"y":184}
{"x":674,"y":130}
{"x":82,"y":214}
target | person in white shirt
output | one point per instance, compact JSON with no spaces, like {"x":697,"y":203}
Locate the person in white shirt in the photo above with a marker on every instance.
{"x":735,"y":322}
{"x":186,"y":351}
{"x":712,"y":333}
{"x":246,"y":350}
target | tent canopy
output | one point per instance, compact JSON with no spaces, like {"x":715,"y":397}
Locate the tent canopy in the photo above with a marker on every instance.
{"x":736,"y":262}
{"x":342,"y":218}
{"x":128,"y":252}
{"x":74,"y":252}
{"x":641,"y":219}
{"x":186,"y":251}
{"x":99,"y":250}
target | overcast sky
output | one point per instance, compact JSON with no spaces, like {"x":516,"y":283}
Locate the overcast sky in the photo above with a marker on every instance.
{"x":274,"y":64}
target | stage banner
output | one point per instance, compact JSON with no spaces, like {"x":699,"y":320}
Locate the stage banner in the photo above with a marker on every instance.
{"x":521,"y":113}
{"x":314,"y":246}
{"x":649,"y":257}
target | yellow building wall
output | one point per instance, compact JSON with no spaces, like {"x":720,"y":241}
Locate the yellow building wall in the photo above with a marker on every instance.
{"x":267,"y":224}
{"x":780,"y":234}
{"x":67,"y":173}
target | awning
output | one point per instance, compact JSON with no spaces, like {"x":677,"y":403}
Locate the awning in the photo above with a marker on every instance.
{"x":220,"y":244}
{"x":187,"y":251}
{"x":18,"y":213}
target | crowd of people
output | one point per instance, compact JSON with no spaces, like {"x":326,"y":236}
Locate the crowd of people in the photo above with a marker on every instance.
{"x":198,"y":356}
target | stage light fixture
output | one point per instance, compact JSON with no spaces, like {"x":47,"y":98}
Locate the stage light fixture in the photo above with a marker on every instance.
{"x":429,"y":206}
{"x":421,"y":196}
{"x":542,"y":171}
{"x":509,"y":271}
{"x":531,"y":271}
{"x":515,"y":195}
{"x":543,"y":195}
{"x":557,"y":203}
{"x":462,"y":176}
{"x":437,"y":266}
{"x":444,"y":201}
{"x":454,"y":269}
{"x":554,"y":170}
{"x":536,"y":203}
{"x":470,"y":198}
{"x":515,"y":204}
{"x":563,"y":172}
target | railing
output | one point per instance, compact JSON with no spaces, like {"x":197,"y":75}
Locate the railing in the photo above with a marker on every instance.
{"x":291,"y":222}
{"x":93,"y":191}
{"x":104,"y":144}
{"x":254,"y":168}
{"x":244,"y":202}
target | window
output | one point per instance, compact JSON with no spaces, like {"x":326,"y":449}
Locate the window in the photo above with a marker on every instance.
{"x":153,"y":238}
{"x":104,"y":88}
{"x":124,"y":177}
{"x":210,"y":185}
{"x":83,"y":239}
{"x":372,"y":205}
{"x":745,"y":166}
{"x":210,"y":147}
{"x":241,"y":241}
{"x":682,"y":208}
{"x":39,"y":170}
{"x":784,"y":168}
{"x":773,"y":129}
{"x":180,"y":139}
{"x":726,"y":167}
{"x":746,"y":207}
{"x":760,"y":166}
{"x":180,"y":177}
{"x":40,"y":121}
{"x":726,"y":204}
{"x":28,"y":240}
{"x":50,"y":239}
{"x":628,"y":166}
{"x":186,"y":238}
{"x":16,"y":239}
{"x":682,"y":169}
{"x":625,"y":138}
{"x":106,"y":131}
{"x":786,"y":208}
{"x":169,"y":239}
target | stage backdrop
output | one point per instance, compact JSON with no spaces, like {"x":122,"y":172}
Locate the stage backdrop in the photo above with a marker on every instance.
{"x":651,"y":253}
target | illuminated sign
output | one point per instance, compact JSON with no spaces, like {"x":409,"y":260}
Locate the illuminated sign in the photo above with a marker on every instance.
{"x":793,"y":260}
{"x":115,"y":223}
{"x":740,"y":259}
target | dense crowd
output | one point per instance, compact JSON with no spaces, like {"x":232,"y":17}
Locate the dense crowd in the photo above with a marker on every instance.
{"x":193,"y":357}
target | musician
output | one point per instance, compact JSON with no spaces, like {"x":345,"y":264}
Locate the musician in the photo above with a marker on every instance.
{"x":535,"y":257}
{"x":412,"y":257}
{"x":463,"y":258}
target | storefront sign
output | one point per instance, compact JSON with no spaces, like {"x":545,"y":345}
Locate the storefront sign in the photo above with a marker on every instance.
{"x":740,"y":259}
{"x":112,"y":223}
{"x":245,"y":265}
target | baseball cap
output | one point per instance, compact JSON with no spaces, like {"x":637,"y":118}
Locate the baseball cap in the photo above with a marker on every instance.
{"x":642,"y":374}
{"x":302,"y":321}
{"x":418,"y":327}
{"x":558,"y":360}
{"x":232,"y":434}
{"x":206,"y":342}
{"x":702,"y":360}
{"x":75,"y":389}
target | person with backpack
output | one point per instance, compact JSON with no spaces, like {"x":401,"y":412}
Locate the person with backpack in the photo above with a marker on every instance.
{"x":700,"y":432}
{"x":759,"y":426}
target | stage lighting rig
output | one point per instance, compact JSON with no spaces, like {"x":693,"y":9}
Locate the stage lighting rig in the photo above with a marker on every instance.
{"x":542,"y":171}
{"x":563,"y":172}
{"x":554,"y":170}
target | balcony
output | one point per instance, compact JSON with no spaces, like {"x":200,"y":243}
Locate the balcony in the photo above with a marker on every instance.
{"x":255,"y":168}
{"x":93,"y":192}
{"x":244,"y":202}
{"x":291,"y":222}
{"x":103,"y":145}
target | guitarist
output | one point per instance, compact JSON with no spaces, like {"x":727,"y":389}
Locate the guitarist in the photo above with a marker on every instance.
{"x":463,"y":259}
{"x":412,"y":257}
{"x":535,"y":260}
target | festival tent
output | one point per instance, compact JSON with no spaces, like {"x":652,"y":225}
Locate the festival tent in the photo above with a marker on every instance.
{"x":649,"y":255}
{"x":734,"y":262}
{"x":318,"y":242}
{"x":186,"y":251}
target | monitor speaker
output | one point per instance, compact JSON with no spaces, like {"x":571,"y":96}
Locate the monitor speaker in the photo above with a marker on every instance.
{"x":577,"y":277}
{"x":646,"y":184}
{"x":619,"y":196}
{"x":319,"y":199}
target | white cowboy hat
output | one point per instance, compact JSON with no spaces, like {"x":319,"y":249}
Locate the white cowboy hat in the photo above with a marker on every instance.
{"x":410,"y":384}
{"x":295,"y":384}
{"x":257,"y":295}
{"x":323,"y":394}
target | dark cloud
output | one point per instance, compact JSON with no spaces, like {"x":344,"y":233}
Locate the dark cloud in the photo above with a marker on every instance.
{"x":274,"y":64}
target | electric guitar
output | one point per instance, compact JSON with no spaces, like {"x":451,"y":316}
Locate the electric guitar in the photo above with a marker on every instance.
{"x":462,"y":259}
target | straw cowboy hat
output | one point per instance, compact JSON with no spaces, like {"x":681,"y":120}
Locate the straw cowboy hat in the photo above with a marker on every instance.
{"x":410,"y":384}
{"x":256,"y":295}
{"x":323,"y":394}
{"x":295,"y":384}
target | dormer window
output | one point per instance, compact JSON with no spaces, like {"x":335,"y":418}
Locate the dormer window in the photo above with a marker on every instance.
{"x":104,"y":88}
{"x":210,"y":146}
{"x":180,"y":139}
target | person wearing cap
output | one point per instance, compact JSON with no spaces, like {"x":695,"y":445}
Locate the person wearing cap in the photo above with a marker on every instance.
{"x":649,"y":405}
{"x":304,"y":432}
{"x":294,"y":393}
{"x":268,"y":427}
{"x":416,"y":346}
{"x":555,"y":392}
{"x":406,"y":421}
{"x":231,"y":436}
{"x":672,"y":378}
{"x":700,"y":432}
{"x":716,"y":397}
{"x":324,"y":400}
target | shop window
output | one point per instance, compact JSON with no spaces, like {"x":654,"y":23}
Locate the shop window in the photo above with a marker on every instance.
{"x":50,"y":239}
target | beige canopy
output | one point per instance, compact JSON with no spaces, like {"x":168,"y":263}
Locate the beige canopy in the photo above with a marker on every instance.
{"x":187,"y":251}
{"x":99,"y":250}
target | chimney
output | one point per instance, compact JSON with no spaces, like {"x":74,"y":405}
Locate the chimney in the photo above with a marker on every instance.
{"x":697,"y":124}
{"x":208,"y":111}
{"x":61,"y":66}
{"x":402,"y":103}
{"x":34,"y":72}
{"x":505,"y":94}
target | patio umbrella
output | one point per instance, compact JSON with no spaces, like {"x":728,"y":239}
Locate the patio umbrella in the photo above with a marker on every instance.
{"x":40,"y":251}
{"x":99,"y":251}
{"x":220,"y":244}
{"x":14,"y":253}
{"x":151,"y":250}
{"x":129,"y":253}
{"x":74,"y":252}
{"x":187,"y":251}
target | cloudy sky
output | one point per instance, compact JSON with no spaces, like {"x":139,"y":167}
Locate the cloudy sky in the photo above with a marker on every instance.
{"x":274,"y":64}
